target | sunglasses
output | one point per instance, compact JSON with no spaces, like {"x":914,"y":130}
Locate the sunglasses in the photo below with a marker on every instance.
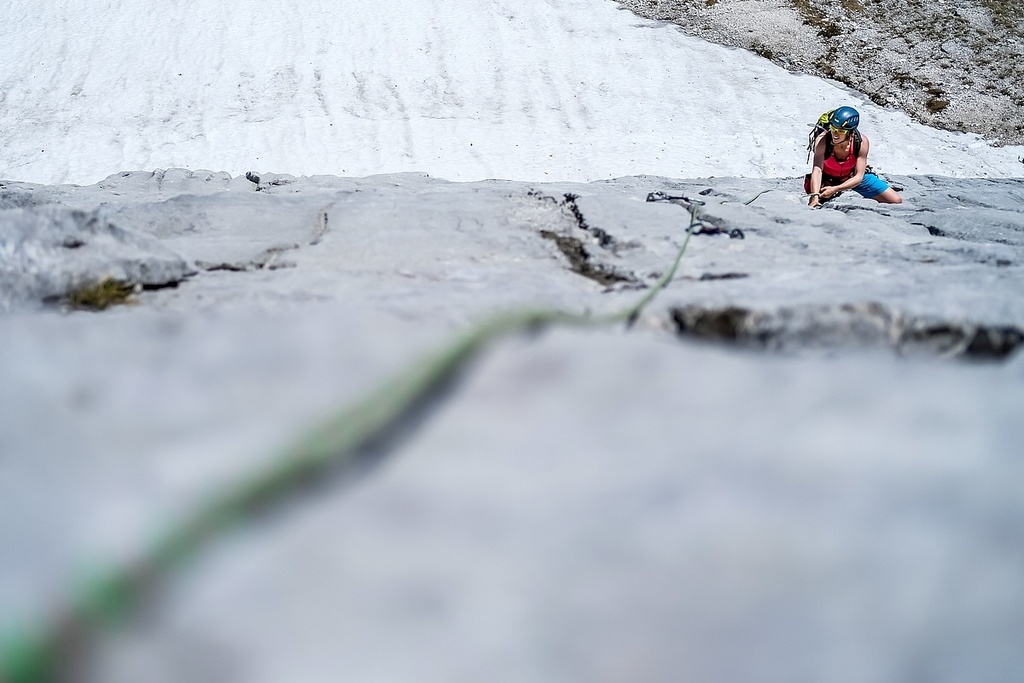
{"x":836,"y":129}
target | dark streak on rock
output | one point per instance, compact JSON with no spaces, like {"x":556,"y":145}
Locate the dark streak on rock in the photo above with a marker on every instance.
{"x":268,"y":259}
{"x":580,"y":261}
{"x":722,"y":324}
{"x":573,"y":248}
{"x":602,"y":236}
{"x":722,"y":276}
{"x":847,"y":325}
{"x":320,"y":229}
{"x":172,"y":284}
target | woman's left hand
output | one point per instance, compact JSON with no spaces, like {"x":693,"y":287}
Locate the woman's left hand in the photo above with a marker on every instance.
{"x":826,"y":193}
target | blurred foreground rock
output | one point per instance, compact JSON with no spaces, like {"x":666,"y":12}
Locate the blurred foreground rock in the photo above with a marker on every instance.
{"x":769,"y":478}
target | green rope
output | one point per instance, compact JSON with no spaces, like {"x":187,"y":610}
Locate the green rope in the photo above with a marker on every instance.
{"x":47,"y":654}
{"x":751,"y":200}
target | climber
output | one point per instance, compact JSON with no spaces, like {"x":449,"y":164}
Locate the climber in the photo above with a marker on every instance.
{"x":841,"y":163}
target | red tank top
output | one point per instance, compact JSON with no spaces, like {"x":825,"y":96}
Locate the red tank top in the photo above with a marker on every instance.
{"x":840,"y":170}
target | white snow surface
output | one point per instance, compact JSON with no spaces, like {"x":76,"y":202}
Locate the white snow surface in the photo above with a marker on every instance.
{"x":516,"y":89}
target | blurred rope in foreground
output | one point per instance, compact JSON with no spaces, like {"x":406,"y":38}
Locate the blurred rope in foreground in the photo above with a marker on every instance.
{"x":53,"y":650}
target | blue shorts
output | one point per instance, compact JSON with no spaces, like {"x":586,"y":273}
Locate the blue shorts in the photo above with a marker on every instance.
{"x":871,"y":186}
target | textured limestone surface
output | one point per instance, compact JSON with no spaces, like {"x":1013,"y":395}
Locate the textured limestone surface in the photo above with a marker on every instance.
{"x":802,"y":463}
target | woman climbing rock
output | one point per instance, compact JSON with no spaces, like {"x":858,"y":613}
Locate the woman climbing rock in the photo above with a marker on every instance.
{"x":841,"y":163}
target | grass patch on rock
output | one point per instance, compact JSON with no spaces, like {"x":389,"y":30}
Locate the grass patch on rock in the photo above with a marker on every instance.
{"x":99,"y":296}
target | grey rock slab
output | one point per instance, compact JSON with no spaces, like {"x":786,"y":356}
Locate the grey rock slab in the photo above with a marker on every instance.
{"x":855,"y":251}
{"x":113,"y":423}
{"x":583,"y":505}
{"x":607,"y":507}
{"x":411,"y":230}
{"x":49,"y":251}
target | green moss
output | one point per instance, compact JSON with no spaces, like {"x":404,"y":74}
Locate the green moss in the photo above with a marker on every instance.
{"x":100,"y":295}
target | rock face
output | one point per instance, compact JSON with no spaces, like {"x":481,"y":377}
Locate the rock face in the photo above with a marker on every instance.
{"x":952,"y":65}
{"x":802,"y":462}
{"x":49,"y":253}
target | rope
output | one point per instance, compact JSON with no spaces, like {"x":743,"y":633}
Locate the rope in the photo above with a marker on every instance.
{"x":751,"y":200}
{"x":48,"y":652}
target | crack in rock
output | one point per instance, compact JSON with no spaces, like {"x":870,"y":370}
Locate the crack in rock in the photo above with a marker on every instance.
{"x":932,"y":230}
{"x":602,"y":236}
{"x":847,"y":325}
{"x":320,"y":229}
{"x":268,"y":259}
{"x":568,"y":203}
{"x":581,"y":263}
{"x":581,"y":260}
{"x":704,"y":277}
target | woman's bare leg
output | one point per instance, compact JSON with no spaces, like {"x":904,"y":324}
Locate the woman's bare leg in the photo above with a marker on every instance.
{"x":890,"y":196}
